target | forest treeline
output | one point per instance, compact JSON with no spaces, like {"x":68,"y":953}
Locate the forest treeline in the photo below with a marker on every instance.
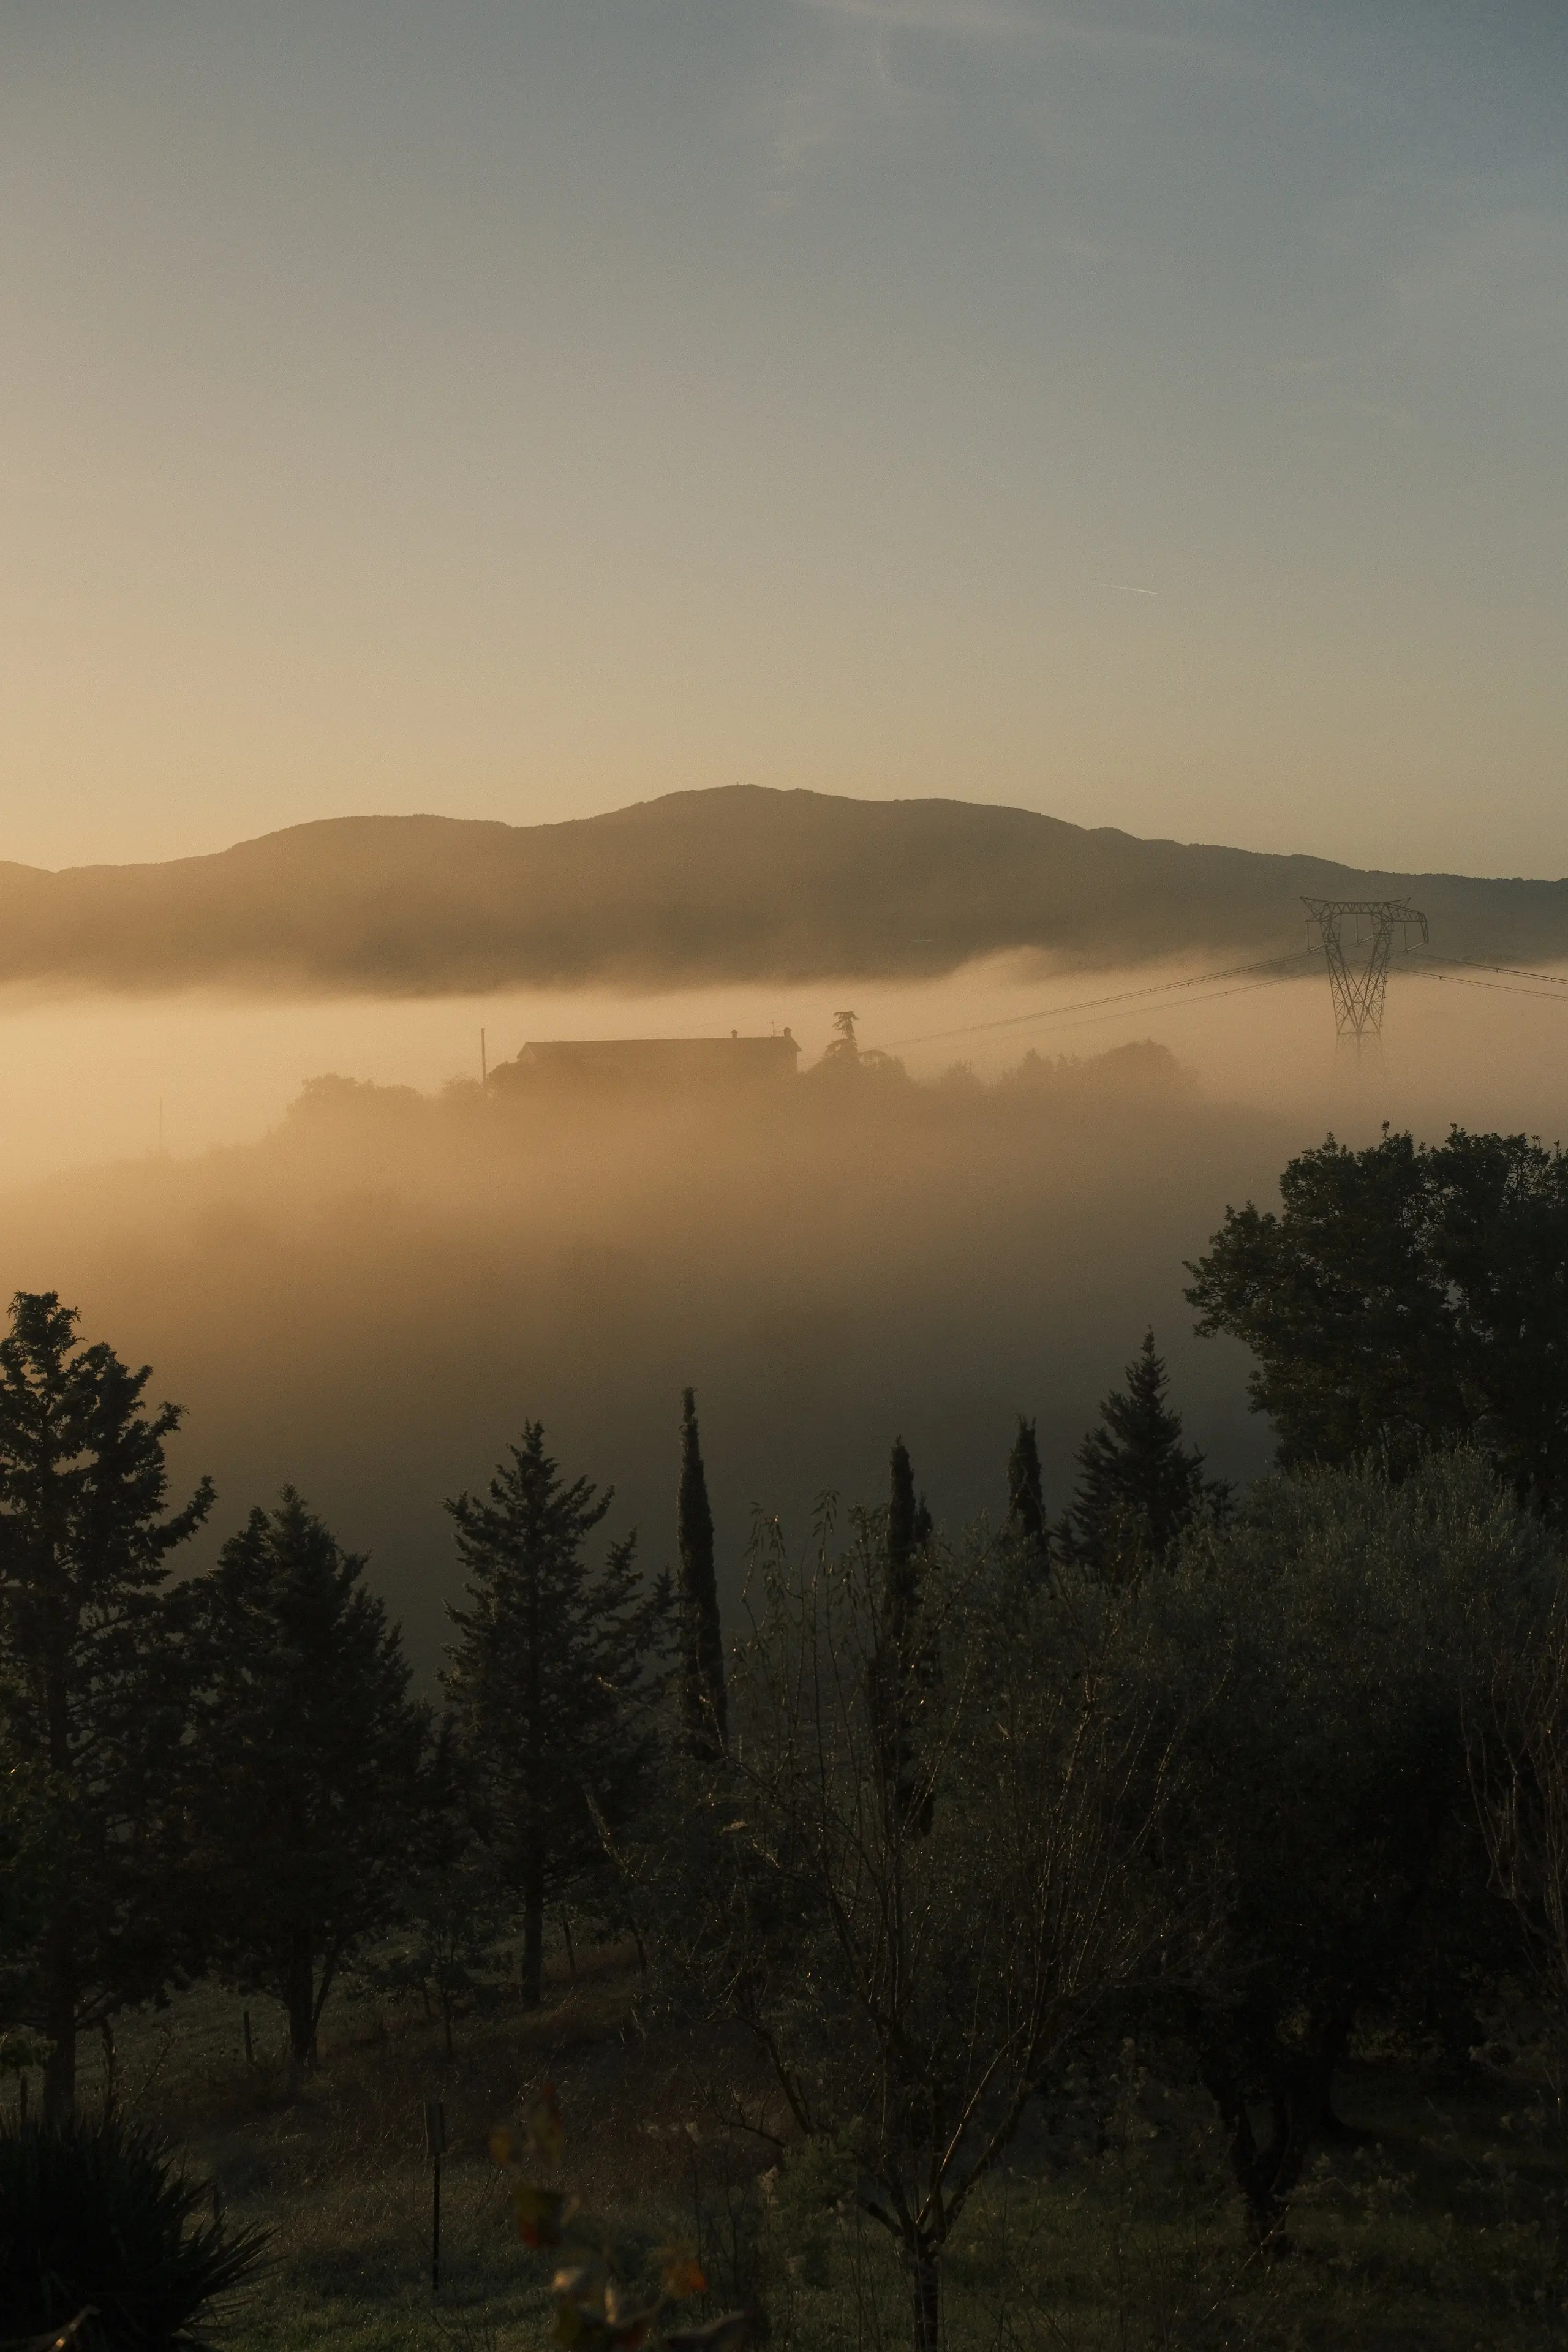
{"x":945,"y":1813}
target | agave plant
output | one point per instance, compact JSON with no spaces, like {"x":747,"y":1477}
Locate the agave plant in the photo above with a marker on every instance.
{"x":100,"y":2242}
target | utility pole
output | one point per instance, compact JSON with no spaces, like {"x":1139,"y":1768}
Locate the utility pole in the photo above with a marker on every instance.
{"x":1356,"y":936}
{"x":484,"y":1067}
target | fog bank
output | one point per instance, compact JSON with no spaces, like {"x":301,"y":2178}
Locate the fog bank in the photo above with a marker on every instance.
{"x":367,"y":1292}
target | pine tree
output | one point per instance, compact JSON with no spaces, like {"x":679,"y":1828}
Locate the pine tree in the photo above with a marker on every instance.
{"x":1138,"y":1485}
{"x":311,"y":1758}
{"x":91,"y":1673}
{"x":550,"y":1678}
{"x":1026,"y":1492}
{"x":703,"y":1709}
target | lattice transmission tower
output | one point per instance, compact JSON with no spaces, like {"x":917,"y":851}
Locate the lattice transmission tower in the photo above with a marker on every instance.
{"x":1356,"y":936}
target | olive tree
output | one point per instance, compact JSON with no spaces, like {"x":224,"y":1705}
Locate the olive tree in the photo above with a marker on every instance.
{"x":1319,"y":1651}
{"x":913,"y":1970}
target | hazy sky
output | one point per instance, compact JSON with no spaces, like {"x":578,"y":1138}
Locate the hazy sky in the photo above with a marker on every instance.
{"x":1151,"y":413}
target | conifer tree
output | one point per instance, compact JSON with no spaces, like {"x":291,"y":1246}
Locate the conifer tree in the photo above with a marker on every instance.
{"x":310,"y":1755}
{"x":550,"y":1679}
{"x":901,"y":1669}
{"x":92,"y":1688}
{"x":703,"y":1710}
{"x":1025,"y":1491}
{"x":1138,"y":1485}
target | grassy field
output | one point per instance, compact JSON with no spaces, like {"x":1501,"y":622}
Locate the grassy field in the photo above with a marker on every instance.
{"x":1443,"y":2225}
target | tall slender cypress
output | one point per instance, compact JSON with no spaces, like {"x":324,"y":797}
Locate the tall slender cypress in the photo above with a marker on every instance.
{"x":704,"y":1712}
{"x":903,"y":1540}
{"x":1025,"y":1491}
{"x":901,"y":1669}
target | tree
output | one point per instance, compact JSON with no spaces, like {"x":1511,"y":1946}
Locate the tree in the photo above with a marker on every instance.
{"x":554,"y":1679}
{"x":1516,"y":1743}
{"x":310,"y":1760}
{"x":911,"y":1983}
{"x":1138,"y":1485}
{"x":91,"y":1687}
{"x":30,"y":1819}
{"x":452,"y":1913}
{"x":1407,"y":1297}
{"x":703,"y":1703}
{"x":1319,"y":1651}
{"x":1026,"y":1492}
{"x":902,"y":1665}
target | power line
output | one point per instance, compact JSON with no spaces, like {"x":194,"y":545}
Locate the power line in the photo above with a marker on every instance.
{"x":1494,"y":987}
{"x":1521,"y":971}
{"x":1210,"y":996}
{"x":1092,"y":1003}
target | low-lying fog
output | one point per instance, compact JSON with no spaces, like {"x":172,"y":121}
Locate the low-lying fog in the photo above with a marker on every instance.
{"x":367,"y":1293}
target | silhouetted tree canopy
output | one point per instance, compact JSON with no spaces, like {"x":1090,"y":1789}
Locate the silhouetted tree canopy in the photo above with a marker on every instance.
{"x":1320,"y":1651}
{"x":1404,"y":1297}
{"x":310,"y":1755}
{"x":1026,"y":1490}
{"x":92,"y":1683}
{"x":1138,"y":1485}
{"x":553,"y":1678}
{"x":704,"y":1717}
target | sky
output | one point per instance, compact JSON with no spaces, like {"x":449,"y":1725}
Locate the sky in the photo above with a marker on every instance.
{"x":1151,"y":412}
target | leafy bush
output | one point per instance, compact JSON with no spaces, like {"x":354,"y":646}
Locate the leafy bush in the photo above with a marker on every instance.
{"x":95,"y":2215}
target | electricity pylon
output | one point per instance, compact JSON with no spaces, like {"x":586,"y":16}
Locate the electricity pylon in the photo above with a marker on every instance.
{"x":1358,"y":966}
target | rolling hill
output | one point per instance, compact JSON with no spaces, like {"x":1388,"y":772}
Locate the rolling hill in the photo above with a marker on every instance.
{"x":738,"y":884}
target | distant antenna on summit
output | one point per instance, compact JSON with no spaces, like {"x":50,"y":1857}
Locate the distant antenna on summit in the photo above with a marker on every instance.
{"x":1356,"y":936}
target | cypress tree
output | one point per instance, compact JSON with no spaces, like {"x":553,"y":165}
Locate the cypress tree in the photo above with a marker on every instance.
{"x":1025,"y":1491}
{"x":903,"y":1540}
{"x":93,"y":1688}
{"x":703,"y":1708}
{"x":550,"y":1680}
{"x":312,"y":1757}
{"x":901,"y":1668}
{"x":1138,"y":1485}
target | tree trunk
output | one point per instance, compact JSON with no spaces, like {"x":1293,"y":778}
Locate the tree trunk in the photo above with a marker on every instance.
{"x":1267,"y":2174}
{"x":533,"y":1932}
{"x":60,"y":2066}
{"x":300,"y":2000}
{"x":925,"y":2283}
{"x":59,"y":1963}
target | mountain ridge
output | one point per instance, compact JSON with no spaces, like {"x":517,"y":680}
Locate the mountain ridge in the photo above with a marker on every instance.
{"x":741,"y":883}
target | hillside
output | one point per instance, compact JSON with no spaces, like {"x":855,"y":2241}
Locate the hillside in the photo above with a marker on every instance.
{"x":732,"y":885}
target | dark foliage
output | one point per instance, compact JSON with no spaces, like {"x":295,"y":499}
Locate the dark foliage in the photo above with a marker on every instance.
{"x":703,"y":1713}
{"x":95,"y":2215}
{"x":93,"y":1683}
{"x":1026,"y":1492}
{"x":1405,"y":1297}
{"x":901,"y":1670}
{"x":1138,"y":1485}
{"x":1320,"y":1651}
{"x":311,"y":1755}
{"x":554,"y":1679}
